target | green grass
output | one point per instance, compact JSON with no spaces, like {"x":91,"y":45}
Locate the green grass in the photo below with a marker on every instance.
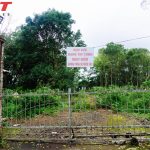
{"x":121,"y":100}
{"x":49,"y":102}
{"x":30,"y":104}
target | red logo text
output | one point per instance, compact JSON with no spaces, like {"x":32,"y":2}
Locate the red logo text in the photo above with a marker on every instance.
{"x":5,"y":5}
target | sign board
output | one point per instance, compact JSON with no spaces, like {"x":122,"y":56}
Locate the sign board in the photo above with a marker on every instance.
{"x":80,"y":57}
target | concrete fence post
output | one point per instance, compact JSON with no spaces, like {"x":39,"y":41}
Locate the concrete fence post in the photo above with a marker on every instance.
{"x":1,"y":76}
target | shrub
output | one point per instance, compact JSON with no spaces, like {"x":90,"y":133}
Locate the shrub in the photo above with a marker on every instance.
{"x":29,"y":104}
{"x":123,"y":99}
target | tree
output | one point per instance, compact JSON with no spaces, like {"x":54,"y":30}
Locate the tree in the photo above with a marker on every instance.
{"x":116,"y":65}
{"x":108,"y":64}
{"x":138,"y":65}
{"x":35,"y":54}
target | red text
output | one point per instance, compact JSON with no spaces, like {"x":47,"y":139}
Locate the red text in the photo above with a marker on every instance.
{"x":5,"y":5}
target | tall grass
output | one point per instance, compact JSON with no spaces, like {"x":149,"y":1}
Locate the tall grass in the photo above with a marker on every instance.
{"x":123,"y":99}
{"x":46,"y":101}
{"x":28,"y":104}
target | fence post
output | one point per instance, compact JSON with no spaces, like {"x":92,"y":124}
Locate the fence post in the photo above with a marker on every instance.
{"x":1,"y":76}
{"x":69,"y":112}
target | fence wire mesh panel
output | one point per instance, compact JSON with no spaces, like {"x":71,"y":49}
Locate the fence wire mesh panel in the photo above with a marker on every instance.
{"x":114,"y":113}
{"x":36,"y":115}
{"x":107,"y":113}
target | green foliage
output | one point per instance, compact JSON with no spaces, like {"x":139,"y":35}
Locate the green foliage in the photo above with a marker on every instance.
{"x":116,"y":65}
{"x":123,"y":100}
{"x":29,"y":104}
{"x":35,"y":54}
{"x":146,"y":84}
{"x":48,"y":102}
{"x":83,"y":102}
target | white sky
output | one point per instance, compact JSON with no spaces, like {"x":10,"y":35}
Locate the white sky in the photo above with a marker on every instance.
{"x":100,"y":21}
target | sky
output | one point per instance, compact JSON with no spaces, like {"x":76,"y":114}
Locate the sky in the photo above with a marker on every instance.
{"x":100,"y":21}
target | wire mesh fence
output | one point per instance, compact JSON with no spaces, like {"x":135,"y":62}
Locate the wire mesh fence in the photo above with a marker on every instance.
{"x":99,"y":113}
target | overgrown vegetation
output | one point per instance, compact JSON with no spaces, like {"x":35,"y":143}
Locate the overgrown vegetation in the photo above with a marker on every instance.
{"x":124,"y":99}
{"x":28,"y":104}
{"x":47,"y":102}
{"x":35,"y":57}
{"x":35,"y":53}
{"x":116,"y":65}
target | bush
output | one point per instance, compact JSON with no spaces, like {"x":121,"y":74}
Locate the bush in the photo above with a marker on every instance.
{"x":123,"y":99}
{"x":20,"y":105}
{"x":146,"y":84}
{"x":83,"y":101}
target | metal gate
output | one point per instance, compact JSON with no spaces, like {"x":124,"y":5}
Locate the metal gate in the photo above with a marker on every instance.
{"x":100,"y":115}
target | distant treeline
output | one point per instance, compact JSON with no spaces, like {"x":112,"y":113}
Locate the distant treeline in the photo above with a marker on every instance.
{"x":116,"y":65}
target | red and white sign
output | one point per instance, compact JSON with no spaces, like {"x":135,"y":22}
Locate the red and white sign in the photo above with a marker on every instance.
{"x":80,"y":57}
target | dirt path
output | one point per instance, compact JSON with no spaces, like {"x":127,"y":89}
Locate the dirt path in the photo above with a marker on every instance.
{"x":100,"y":117}
{"x":100,"y":126}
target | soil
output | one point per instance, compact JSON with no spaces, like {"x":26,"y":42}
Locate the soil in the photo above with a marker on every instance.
{"x":100,"y":126}
{"x":100,"y":117}
{"x":47,"y":146}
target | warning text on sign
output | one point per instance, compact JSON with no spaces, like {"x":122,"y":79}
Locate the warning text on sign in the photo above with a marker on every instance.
{"x":80,"y":57}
